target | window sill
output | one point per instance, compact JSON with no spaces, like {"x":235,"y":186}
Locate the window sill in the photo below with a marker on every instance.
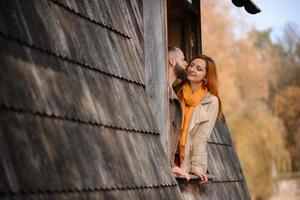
{"x":210,"y":177}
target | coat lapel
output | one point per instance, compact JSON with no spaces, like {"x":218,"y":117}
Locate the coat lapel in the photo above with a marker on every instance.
{"x":206,"y":99}
{"x":200,"y":115}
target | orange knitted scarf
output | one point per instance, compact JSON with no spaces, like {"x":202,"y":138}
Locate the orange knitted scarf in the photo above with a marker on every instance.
{"x":189,"y":101}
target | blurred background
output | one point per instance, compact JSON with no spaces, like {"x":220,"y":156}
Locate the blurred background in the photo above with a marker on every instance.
{"x":258,"y":60}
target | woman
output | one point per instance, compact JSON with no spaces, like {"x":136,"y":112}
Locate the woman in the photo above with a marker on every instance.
{"x":201,"y":107}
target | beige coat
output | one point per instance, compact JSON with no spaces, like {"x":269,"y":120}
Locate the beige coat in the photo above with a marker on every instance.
{"x":200,"y":128}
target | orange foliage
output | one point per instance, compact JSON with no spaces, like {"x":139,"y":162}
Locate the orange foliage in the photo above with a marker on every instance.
{"x":246,"y":73}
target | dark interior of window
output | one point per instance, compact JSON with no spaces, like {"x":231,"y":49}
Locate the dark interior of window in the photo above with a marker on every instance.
{"x":184,"y":30}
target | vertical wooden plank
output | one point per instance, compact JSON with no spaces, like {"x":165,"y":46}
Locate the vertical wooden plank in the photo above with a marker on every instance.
{"x":155,"y":38}
{"x":198,"y":33}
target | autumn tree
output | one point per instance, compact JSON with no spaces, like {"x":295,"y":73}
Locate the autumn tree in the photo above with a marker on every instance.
{"x":286,"y":101}
{"x":284,"y":93}
{"x":246,"y":73}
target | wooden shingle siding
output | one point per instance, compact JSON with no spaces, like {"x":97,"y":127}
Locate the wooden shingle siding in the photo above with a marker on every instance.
{"x":222,"y":159}
{"x":123,"y":17}
{"x":75,"y":118}
{"x":215,"y":191}
{"x":128,"y":194}
{"x":220,"y":134}
{"x":51,"y":85}
{"x":108,"y":13}
{"x":221,"y":162}
{"x":56,"y":154}
{"x":72,"y":37}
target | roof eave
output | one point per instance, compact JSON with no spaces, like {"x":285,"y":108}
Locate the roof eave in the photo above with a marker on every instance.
{"x":248,"y":5}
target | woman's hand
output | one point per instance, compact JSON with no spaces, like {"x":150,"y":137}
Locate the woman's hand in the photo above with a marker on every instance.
{"x":203,"y":177}
{"x":180,"y":171}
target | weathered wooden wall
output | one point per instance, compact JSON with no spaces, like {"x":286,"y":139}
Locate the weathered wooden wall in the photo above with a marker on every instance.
{"x":75,"y":119}
{"x":155,"y":25}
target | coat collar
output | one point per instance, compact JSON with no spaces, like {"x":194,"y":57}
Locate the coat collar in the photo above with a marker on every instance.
{"x":207,"y":98}
{"x":201,"y":115}
{"x":172,"y":94}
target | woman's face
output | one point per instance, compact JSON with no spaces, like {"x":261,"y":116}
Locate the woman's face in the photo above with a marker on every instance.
{"x":196,"y":70}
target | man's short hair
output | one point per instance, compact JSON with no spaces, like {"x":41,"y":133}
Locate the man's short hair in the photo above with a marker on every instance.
{"x":172,"y":49}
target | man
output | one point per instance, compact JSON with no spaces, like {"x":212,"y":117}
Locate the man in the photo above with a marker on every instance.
{"x":176,"y":70}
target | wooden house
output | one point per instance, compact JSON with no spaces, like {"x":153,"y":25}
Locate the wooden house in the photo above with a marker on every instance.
{"x":84,"y":105}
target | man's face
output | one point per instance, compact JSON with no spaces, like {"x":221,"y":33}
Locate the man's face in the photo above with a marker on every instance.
{"x":181,"y":65}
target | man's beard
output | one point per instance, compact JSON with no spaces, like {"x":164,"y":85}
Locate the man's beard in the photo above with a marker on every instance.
{"x":180,"y":72}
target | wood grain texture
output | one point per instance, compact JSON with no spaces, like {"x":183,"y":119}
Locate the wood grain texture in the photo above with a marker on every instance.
{"x":75,"y":120}
{"x":71,"y":36}
{"x":47,"y":84}
{"x":156,"y":63}
{"x":56,"y":155}
{"x":143,"y":193}
{"x":215,"y":191}
{"x":221,"y":134}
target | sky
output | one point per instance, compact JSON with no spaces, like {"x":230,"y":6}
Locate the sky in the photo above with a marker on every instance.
{"x":275,"y":14}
